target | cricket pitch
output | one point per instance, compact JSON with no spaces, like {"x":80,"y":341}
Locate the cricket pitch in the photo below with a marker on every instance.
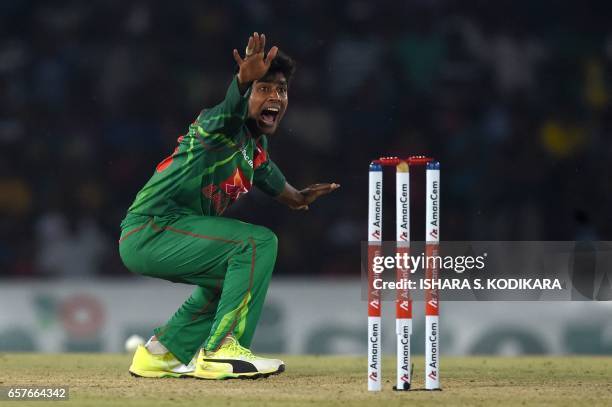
{"x":103,"y":380}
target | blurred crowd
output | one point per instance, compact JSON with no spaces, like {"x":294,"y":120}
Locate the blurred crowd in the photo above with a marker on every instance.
{"x":512,"y":97}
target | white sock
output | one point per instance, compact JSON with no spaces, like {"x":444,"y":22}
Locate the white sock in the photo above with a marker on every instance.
{"x":155,"y":347}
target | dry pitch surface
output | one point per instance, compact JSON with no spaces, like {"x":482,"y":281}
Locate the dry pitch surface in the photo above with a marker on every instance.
{"x":102,"y":380}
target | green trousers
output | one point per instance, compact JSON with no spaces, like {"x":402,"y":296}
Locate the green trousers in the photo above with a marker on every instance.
{"x":229,"y":261}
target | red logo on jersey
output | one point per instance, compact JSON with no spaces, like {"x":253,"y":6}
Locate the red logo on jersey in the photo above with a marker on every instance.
{"x":235,"y":185}
{"x":228,"y":191}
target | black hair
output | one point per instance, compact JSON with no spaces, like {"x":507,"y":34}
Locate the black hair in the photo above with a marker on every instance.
{"x":282,"y":63}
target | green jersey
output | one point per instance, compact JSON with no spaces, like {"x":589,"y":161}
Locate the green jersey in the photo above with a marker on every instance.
{"x":213,"y":165}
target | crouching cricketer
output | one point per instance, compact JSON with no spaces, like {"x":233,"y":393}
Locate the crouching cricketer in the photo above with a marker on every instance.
{"x":174,"y":229}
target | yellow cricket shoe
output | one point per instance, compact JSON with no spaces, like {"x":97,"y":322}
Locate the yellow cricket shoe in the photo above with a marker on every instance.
{"x":146,"y":364}
{"x":232,"y":361}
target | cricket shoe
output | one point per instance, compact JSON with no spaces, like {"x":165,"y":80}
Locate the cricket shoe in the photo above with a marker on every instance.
{"x":146,"y":364}
{"x":232,"y":361}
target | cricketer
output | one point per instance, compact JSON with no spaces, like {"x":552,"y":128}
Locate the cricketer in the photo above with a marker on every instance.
{"x":174,"y":229}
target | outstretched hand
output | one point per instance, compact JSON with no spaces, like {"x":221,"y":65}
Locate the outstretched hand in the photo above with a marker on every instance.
{"x":313,"y":192}
{"x":254,"y":65}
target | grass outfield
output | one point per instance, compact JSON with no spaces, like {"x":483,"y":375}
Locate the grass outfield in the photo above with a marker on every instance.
{"x":103,"y":380}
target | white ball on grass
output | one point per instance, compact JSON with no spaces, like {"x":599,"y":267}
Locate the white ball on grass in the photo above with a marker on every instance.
{"x":131,"y":343}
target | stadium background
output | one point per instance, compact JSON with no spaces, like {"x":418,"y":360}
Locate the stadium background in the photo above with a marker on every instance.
{"x":512,"y":97}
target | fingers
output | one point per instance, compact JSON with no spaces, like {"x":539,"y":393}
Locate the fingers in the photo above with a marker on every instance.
{"x":324,"y":187}
{"x":315,"y":191}
{"x":249,"y":47}
{"x":320,"y":186}
{"x":271,"y":55}
{"x":256,"y":43}
{"x":316,"y":187}
{"x":237,"y":57}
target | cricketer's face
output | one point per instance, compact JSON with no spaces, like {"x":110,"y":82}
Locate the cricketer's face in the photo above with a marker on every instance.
{"x":268,"y":102}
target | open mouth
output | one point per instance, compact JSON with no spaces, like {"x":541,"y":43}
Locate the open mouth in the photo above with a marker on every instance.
{"x":269,"y":115}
